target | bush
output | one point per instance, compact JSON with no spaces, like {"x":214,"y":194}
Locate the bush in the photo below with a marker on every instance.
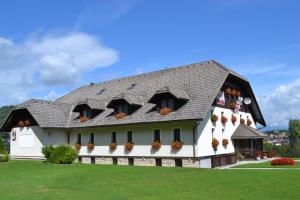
{"x":2,"y":147}
{"x":283,"y":161}
{"x":47,"y":151}
{"x":63,"y":154}
{"x":4,"y":158}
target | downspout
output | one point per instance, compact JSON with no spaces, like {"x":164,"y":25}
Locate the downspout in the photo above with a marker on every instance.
{"x":194,"y":140}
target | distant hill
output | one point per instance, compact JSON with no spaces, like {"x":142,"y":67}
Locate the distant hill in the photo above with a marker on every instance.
{"x":4,"y":110}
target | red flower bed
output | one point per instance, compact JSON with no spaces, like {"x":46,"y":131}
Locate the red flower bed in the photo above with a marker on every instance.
{"x":165,"y":111}
{"x":120,"y":115}
{"x":156,"y":145}
{"x":83,"y":119}
{"x":176,"y":145}
{"x":283,"y":161}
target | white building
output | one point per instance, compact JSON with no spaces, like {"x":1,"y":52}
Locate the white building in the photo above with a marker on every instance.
{"x":116,"y":122}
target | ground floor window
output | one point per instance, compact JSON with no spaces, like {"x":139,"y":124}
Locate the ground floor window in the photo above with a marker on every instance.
{"x":130,"y":161}
{"x":178,"y":162}
{"x":115,"y":161}
{"x":79,"y":159}
{"x":93,"y":160}
{"x":158,"y":162}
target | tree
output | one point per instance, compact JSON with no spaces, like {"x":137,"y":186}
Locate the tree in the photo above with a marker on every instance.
{"x":2,"y":147}
{"x":294,"y":131}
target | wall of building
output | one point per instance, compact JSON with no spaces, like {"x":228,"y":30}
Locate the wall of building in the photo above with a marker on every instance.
{"x":142,"y":137}
{"x":221,"y":131}
{"x":30,"y":140}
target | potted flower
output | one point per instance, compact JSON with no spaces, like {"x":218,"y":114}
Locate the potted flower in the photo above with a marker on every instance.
{"x":232,"y":105}
{"x":129,"y":146}
{"x":156,"y":145}
{"x":113,"y":146}
{"x":27,"y":122}
{"x":249,"y":122}
{"x":233,"y":119}
{"x":77,"y":146}
{"x":214,"y":118}
{"x":225,"y":142}
{"x":265,"y":155}
{"x":176,"y":145}
{"x":258,"y":155}
{"x":233,"y":92}
{"x":83,"y":118}
{"x":120,"y":115}
{"x":165,"y":111}
{"x":224,"y":119}
{"x":215,"y":144}
{"x":238,"y":93}
{"x":228,"y":91}
{"x":21,"y":123}
{"x":90,"y":146}
{"x":242,"y":121}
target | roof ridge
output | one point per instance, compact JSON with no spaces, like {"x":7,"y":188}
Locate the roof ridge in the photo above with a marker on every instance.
{"x":47,"y":101}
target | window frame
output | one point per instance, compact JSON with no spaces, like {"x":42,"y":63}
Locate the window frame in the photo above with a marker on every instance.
{"x":92,"y":138}
{"x":112,"y":137}
{"x":79,"y":135}
{"x":153,"y":134}
{"x":174,"y":138}
{"x":127,"y":137}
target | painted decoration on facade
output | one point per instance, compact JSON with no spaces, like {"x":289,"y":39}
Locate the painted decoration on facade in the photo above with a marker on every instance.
{"x":220,"y":100}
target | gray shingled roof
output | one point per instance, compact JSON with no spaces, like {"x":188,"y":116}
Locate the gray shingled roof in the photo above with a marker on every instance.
{"x":176,"y":92}
{"x":131,"y":99}
{"x":93,"y":104}
{"x":199,"y":83}
{"x":246,"y":132}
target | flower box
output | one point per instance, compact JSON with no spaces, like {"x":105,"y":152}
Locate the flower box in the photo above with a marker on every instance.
{"x":242,"y":121}
{"x":249,"y":122}
{"x":238,"y":93}
{"x":26,"y":122}
{"x":233,"y":119}
{"x":21,"y":123}
{"x":165,"y":111}
{"x":113,"y":146}
{"x":228,"y":91}
{"x":225,"y":142}
{"x":83,"y":119}
{"x":90,"y":146}
{"x":120,"y":115}
{"x":214,"y":118}
{"x":215,"y":144}
{"x":232,"y":105}
{"x":77,"y":146}
{"x":129,"y":146}
{"x":156,"y":145}
{"x":224,"y":119}
{"x":233,"y":92}
{"x":176,"y":145}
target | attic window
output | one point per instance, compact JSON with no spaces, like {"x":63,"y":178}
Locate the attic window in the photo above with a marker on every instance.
{"x":131,"y":86}
{"x":101,"y":91}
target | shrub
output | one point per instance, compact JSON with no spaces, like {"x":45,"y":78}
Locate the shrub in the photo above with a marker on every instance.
{"x":233,"y":119}
{"x":4,"y":158}
{"x":113,"y":146}
{"x":225,"y":142}
{"x":214,"y":118}
{"x":83,"y":119}
{"x":215,"y":143}
{"x":47,"y":151}
{"x":120,"y":115}
{"x":224,"y":119}
{"x":283,"y":161}
{"x":156,"y":145}
{"x":129,"y":146}
{"x":176,"y":145}
{"x":239,"y":156}
{"x":2,"y":147}
{"x":165,"y":111}
{"x":63,"y":154}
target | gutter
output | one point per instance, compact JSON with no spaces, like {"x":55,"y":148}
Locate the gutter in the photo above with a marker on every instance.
{"x":194,"y":139}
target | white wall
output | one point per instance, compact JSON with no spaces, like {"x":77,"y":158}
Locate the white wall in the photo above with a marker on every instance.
{"x":30,"y":140}
{"x":142,"y":137}
{"x":205,"y":135}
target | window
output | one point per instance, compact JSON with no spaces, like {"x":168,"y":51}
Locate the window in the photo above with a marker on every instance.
{"x":122,"y":108}
{"x":79,"y":159}
{"x":156,"y":135}
{"x":130,"y":161}
{"x":167,"y":103}
{"x":92,"y":138}
{"x":113,"y":137}
{"x":158,"y":162}
{"x":178,"y":163}
{"x":115,"y":161}
{"x":131,"y":86}
{"x":129,"y":136}
{"x":101,"y":91}
{"x":79,"y":138}
{"x":176,"y":133}
{"x":87,"y":112}
{"x":93,"y":160}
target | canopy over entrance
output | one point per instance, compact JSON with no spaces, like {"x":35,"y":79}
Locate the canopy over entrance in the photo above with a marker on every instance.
{"x":246,"y":132}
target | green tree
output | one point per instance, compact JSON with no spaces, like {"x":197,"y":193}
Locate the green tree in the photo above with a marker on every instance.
{"x":2,"y":147}
{"x":294,"y":131}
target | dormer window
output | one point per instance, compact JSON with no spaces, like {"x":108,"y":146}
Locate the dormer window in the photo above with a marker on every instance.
{"x":125,"y":104}
{"x":168,"y":100}
{"x":89,"y":109}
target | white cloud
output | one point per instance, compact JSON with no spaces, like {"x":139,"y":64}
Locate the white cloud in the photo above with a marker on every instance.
{"x":282,"y":105}
{"x":46,"y":61}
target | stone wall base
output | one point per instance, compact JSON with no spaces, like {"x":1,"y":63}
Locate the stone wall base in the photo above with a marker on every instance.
{"x":102,"y":160}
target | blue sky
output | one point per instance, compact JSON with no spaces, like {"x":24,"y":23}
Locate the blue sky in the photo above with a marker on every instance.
{"x":48,"y":48}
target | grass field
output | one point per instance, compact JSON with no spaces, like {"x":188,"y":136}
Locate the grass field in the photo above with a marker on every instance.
{"x":266,"y":165}
{"x":36,"y":180}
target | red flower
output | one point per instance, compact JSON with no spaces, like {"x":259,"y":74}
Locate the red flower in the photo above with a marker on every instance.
{"x":283,"y":161}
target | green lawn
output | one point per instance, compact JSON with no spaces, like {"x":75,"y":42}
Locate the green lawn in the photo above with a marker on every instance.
{"x":36,"y":180}
{"x":266,"y":165}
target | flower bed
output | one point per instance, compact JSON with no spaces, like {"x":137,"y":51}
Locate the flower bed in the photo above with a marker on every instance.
{"x":165,"y":111}
{"x":156,"y":145}
{"x":113,"y":146}
{"x":128,"y":146}
{"x":83,"y":119}
{"x":176,"y":145}
{"x":283,"y":161}
{"x":120,"y":115}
